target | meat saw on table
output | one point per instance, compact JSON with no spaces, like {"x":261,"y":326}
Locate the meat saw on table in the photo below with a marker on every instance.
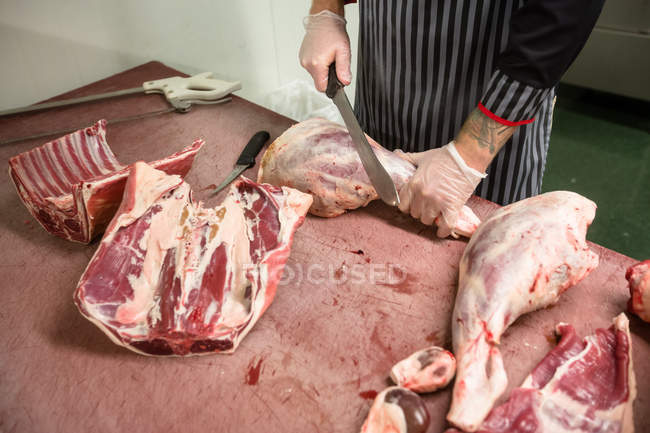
{"x":323,"y":348}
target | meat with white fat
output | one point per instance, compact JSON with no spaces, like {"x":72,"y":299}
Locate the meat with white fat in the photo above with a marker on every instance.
{"x":425,"y":370}
{"x":397,"y":410}
{"x":581,"y":386}
{"x":171,"y":277}
{"x":73,"y":185}
{"x":638,"y":277}
{"x":318,"y":157}
{"x":519,"y":260}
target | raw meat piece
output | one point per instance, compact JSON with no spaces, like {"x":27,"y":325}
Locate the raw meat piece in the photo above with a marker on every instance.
{"x":519,"y":260}
{"x":426,"y":370}
{"x":397,"y":410}
{"x":638,"y":277}
{"x":171,"y":277}
{"x":73,"y":185}
{"x":582,"y":385}
{"x":318,"y":157}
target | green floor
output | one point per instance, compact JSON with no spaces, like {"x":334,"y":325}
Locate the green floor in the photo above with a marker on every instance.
{"x":600,"y":148}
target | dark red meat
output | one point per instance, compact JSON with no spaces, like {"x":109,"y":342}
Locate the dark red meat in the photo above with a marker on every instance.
{"x":582,"y":385}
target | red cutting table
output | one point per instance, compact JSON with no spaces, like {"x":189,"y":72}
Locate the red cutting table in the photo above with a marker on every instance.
{"x":313,"y":361}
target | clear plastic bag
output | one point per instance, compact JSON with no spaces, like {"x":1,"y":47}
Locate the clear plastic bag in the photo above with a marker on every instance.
{"x":299,"y":100}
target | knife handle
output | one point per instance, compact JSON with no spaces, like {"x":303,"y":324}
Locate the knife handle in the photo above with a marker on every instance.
{"x":253,"y":148}
{"x":333,"y":83}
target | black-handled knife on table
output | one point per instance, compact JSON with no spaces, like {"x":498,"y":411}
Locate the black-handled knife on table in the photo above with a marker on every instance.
{"x":246,"y":158}
{"x":377,"y":174}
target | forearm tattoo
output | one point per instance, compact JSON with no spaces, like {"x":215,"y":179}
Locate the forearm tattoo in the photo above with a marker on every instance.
{"x":487,"y":133}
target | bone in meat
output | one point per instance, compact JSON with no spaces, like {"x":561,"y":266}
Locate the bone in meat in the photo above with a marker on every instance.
{"x":73,"y":185}
{"x":519,"y":260}
{"x":171,"y":277}
{"x":581,"y":386}
{"x":397,"y":410}
{"x":318,"y":157}
{"x":425,"y":370}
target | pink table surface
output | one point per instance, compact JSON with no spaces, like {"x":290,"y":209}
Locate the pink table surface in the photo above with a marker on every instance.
{"x":314,"y":359}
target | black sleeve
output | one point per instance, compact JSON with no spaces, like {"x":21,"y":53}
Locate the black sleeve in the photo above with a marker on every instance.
{"x":544,"y":39}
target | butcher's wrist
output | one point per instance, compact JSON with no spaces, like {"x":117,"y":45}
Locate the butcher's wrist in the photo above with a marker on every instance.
{"x":480,"y":139}
{"x":474,"y":156}
{"x":335,"y":6}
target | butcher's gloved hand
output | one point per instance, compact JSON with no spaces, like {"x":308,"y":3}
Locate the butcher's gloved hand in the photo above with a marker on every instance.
{"x":441,"y":185}
{"x":325,"y":41}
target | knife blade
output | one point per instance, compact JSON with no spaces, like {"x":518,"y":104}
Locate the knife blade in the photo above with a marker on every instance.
{"x":246,"y":158}
{"x":376,"y":172}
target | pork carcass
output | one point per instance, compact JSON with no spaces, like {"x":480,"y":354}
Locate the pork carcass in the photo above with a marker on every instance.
{"x":582,"y":385}
{"x":397,"y":410}
{"x":638,"y":277}
{"x":318,"y":157}
{"x":171,"y":277}
{"x":73,"y":185}
{"x":425,"y":370}
{"x":519,"y":260}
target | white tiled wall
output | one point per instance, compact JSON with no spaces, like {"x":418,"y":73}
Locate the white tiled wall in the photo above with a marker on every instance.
{"x":49,"y":47}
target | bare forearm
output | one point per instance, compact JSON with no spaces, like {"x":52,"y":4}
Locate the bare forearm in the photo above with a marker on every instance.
{"x":480,"y":138}
{"x":335,"y":6}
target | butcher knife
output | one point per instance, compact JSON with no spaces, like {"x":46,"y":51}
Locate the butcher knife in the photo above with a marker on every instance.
{"x":376,"y":172}
{"x":246,"y":159}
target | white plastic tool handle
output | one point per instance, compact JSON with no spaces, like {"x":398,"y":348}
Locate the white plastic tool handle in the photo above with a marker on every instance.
{"x":181,"y":92}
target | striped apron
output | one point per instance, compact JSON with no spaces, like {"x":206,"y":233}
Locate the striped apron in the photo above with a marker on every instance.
{"x":423,"y":66}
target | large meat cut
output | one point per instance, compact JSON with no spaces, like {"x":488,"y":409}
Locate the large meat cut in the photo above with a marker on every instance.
{"x":171,"y":277}
{"x":519,"y":260}
{"x":73,"y":185}
{"x":638,"y":277}
{"x":582,"y":385}
{"x":318,"y":157}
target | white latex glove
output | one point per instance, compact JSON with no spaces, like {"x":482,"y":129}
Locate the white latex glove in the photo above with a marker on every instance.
{"x":325,"y":41}
{"x":441,"y":185}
